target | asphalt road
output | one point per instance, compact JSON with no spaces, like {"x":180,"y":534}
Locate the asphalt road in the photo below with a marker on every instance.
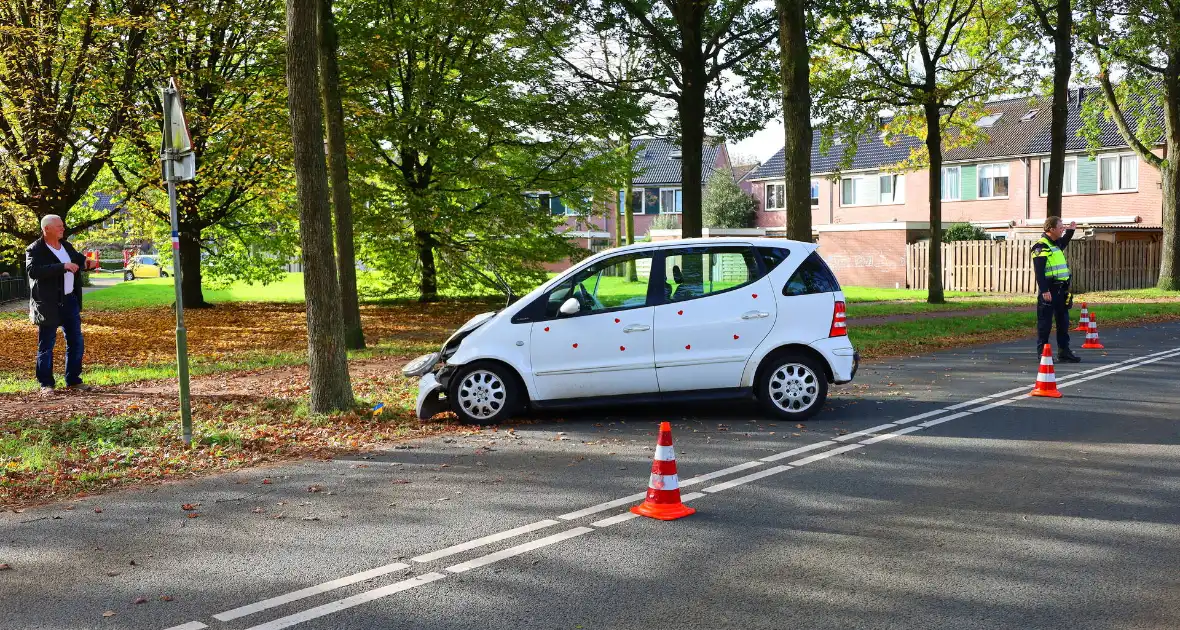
{"x":1003,"y":512}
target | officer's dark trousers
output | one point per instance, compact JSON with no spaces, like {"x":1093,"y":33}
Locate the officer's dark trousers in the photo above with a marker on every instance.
{"x":1050,"y":312}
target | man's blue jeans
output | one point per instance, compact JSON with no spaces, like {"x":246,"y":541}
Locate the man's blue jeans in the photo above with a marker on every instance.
{"x":71,"y":324}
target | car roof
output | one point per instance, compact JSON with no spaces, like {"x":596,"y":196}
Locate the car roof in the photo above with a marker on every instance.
{"x":759,"y":241}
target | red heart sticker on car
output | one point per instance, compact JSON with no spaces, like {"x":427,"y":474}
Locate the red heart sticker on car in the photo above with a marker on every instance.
{"x":575,"y":345}
{"x":616,"y":320}
{"x":622,"y":349}
{"x":735,"y":336}
{"x":688,"y":347}
{"x":755,"y":296}
{"x":546,"y":329}
{"x":679,"y":312}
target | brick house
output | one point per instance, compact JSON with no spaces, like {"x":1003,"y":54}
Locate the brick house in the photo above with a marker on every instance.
{"x":864,"y":216}
{"x":656,"y":191}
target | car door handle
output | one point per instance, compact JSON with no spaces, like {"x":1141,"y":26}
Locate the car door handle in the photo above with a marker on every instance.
{"x":636,"y":328}
{"x":755,"y":315}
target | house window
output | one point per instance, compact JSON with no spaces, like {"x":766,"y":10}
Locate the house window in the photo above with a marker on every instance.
{"x":1069,"y":184}
{"x":853,"y":191}
{"x":950,"y":183}
{"x":671,"y":201}
{"x":814,"y":193}
{"x":776,"y":196}
{"x":993,"y":181}
{"x":1118,"y":172}
{"x":636,"y":201}
{"x":891,"y":188}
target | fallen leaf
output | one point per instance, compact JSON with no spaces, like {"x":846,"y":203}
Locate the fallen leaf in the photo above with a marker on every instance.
{"x":98,"y":510}
{"x":109,"y":613}
{"x":112,"y":573}
{"x":165,"y":598}
{"x":140,"y":600}
{"x":188,"y":507}
{"x":266,"y":481}
{"x":315,"y":488}
{"x":5,"y":567}
{"x":192,"y":515}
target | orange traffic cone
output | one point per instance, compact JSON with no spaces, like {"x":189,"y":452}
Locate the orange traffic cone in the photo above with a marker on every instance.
{"x":1092,"y":341}
{"x":663,"y":489}
{"x":1046,"y":377}
{"x":1083,"y":320}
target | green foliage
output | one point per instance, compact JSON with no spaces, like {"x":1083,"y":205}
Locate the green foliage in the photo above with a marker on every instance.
{"x":454,"y":127}
{"x":666,"y":222}
{"x":726,"y":205}
{"x":964,"y":232}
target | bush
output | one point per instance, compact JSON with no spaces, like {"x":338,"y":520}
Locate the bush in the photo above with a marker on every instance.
{"x":666,"y":222}
{"x":964,"y":232}
{"x":726,"y":205}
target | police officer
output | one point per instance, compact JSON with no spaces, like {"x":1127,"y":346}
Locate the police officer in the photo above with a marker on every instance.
{"x":1053,"y":295}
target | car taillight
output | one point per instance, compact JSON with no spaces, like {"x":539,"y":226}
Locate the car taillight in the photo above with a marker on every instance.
{"x":839,"y":327}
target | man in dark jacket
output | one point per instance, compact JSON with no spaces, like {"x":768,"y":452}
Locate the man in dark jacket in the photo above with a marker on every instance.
{"x":1053,"y":283}
{"x":55,"y":301}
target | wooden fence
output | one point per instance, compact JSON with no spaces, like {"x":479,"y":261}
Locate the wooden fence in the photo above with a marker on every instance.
{"x":1006,"y":266}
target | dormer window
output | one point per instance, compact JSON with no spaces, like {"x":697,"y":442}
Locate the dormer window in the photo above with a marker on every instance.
{"x":675,"y":155}
{"x":1032,"y":113}
{"x":989,"y":120}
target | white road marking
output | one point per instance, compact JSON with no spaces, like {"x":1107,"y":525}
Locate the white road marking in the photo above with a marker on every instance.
{"x":796,"y":451}
{"x":602,"y":507}
{"x":517,"y":550}
{"x":719,"y":473}
{"x":921,"y":416}
{"x":486,"y":540}
{"x":192,"y":625}
{"x":853,"y":436}
{"x":615,"y":520}
{"x":690,"y":496}
{"x":747,"y":479}
{"x":825,"y":454}
{"x":930,"y":423}
{"x":971,"y":402}
{"x":309,"y":591}
{"x":349,"y":602}
{"x":886,"y":436}
{"x":998,"y":403}
{"x":1121,"y":369}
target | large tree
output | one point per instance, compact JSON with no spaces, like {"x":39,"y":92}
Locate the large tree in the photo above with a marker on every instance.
{"x":338,"y":169}
{"x":1140,"y":39}
{"x":796,"y":89}
{"x":236,"y":219}
{"x":708,"y":57}
{"x":1055,"y":21}
{"x":462,"y":126}
{"x":327,"y":357}
{"x":929,"y":61}
{"x":67,"y":69}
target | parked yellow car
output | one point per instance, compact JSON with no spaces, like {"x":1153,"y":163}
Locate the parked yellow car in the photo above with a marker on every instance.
{"x":144,"y":266}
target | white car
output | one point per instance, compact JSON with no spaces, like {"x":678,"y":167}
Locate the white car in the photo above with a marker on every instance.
{"x":690,"y":319}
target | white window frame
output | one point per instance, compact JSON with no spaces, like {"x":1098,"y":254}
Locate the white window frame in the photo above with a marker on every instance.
{"x":854,"y":178}
{"x":815,"y":199}
{"x":896,"y":183}
{"x":979,"y":181}
{"x":673,"y":191}
{"x":942,"y":182}
{"x":1045,"y":176}
{"x":1119,"y":170}
{"x":769,"y":198}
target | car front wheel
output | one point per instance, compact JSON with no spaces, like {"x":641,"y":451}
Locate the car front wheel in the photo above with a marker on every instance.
{"x":484,"y":393}
{"x":793,"y":387}
{"x":128,"y":276}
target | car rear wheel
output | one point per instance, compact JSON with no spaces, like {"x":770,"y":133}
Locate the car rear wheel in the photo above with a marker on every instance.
{"x":128,"y":276}
{"x":484,"y":393}
{"x":163,"y":274}
{"x":793,"y":386}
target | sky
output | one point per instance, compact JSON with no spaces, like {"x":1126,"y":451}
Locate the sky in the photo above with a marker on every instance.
{"x":762,"y":145}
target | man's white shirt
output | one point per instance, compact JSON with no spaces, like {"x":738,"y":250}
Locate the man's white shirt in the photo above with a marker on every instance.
{"x":64,"y":256}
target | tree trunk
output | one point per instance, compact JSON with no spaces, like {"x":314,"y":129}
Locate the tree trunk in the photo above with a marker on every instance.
{"x":354,"y":336}
{"x":933,"y":112}
{"x":691,"y":108}
{"x":428,"y":282}
{"x":1170,"y":176}
{"x":331,"y":389}
{"x":1062,"y":66}
{"x":190,"y":269}
{"x":629,"y":221}
{"x":796,"y":68}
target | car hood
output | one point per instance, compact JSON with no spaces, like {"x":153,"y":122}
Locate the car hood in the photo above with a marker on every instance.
{"x":472,"y":324}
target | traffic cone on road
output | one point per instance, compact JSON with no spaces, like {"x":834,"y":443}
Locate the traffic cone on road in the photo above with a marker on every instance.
{"x":1092,"y":341}
{"x":1046,"y":377}
{"x":663,"y":489}
{"x":1083,"y":320}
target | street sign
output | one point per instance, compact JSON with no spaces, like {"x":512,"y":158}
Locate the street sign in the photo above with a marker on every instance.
{"x":176,"y":144}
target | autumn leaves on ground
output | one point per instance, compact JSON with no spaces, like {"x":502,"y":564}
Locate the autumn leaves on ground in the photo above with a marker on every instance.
{"x":128,"y":432}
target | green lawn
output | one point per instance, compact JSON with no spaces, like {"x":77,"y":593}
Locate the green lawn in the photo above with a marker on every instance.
{"x":151,"y":292}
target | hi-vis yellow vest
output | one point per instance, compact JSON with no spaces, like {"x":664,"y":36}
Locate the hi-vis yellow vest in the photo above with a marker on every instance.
{"x":1055,"y":265}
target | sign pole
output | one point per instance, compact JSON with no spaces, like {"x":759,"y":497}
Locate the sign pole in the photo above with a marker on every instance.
{"x":169,"y":158}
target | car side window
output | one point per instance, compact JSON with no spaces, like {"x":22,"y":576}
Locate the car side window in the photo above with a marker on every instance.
{"x":702,"y":271}
{"x":617,"y":283}
{"x":772,"y":257}
{"x":147,"y":261}
{"x":813,"y":276}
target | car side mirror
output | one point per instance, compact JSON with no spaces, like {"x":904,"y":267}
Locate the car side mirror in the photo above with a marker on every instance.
{"x":570,"y":307}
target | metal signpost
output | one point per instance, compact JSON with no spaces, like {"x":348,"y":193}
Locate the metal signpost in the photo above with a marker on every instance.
{"x":180,"y":165}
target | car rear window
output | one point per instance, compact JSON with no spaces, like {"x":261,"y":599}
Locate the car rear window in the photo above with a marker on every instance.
{"x":773,"y":256}
{"x":813,"y":276}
